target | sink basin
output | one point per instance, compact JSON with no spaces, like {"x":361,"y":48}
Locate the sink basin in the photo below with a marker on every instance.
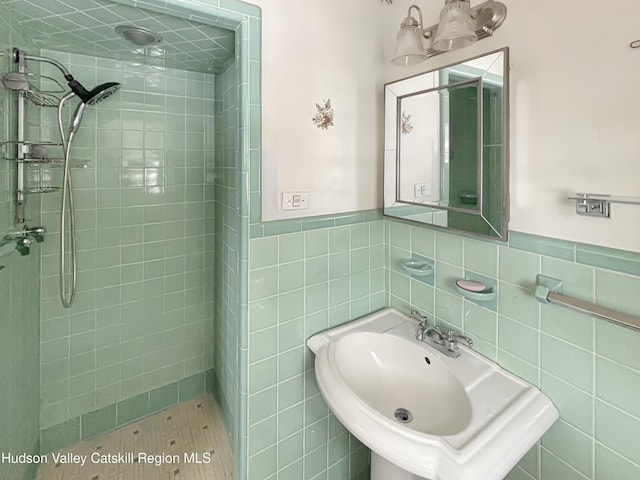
{"x":423,"y":414}
{"x":410,"y":378}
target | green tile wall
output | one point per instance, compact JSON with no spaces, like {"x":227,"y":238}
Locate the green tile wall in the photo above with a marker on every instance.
{"x":589,"y":368}
{"x":248,"y":43}
{"x":143,"y":315}
{"x":19,"y":293}
{"x":301,"y":283}
{"x":227,"y":226}
{"x":124,"y":412}
{"x":19,"y":360}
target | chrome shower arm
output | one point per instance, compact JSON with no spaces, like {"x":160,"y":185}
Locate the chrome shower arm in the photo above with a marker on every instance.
{"x":19,"y":56}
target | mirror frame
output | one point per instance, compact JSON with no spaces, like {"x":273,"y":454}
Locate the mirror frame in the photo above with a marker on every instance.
{"x":414,"y":85}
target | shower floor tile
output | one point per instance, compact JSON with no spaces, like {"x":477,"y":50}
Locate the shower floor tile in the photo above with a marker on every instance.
{"x":187,"y":441}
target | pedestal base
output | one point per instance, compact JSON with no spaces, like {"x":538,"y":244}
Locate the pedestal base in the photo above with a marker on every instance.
{"x":382,"y":469}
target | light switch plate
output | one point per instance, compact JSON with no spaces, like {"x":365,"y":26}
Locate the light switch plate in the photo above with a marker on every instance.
{"x":295,"y":200}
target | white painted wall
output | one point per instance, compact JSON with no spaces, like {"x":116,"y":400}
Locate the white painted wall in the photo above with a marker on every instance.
{"x":313,"y":51}
{"x":575,"y":111}
{"x":575,"y":107}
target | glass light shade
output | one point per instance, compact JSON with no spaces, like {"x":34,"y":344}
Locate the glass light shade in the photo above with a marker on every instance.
{"x":456,"y":27}
{"x":409,"y":46}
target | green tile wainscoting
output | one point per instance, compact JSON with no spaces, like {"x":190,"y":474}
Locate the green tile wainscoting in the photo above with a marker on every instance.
{"x":310,"y":274}
{"x":114,"y":416}
{"x":589,"y":368}
{"x":306,"y":276}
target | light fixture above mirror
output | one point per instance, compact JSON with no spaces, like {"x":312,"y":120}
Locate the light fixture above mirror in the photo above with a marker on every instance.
{"x":460,"y":26}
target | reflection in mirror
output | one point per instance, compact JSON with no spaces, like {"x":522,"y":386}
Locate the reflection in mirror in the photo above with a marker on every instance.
{"x":445,"y":147}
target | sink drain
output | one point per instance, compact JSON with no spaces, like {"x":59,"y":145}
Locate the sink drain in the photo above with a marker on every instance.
{"x":403,"y":415}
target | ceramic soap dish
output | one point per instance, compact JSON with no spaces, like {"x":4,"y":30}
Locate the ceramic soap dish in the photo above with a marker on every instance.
{"x":475,"y":290}
{"x":418,"y":268}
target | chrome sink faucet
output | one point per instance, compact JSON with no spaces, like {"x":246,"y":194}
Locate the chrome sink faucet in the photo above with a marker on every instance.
{"x":446,"y":343}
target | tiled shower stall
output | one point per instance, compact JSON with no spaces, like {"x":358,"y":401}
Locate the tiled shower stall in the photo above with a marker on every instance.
{"x":142,"y":320}
{"x":159,"y":180}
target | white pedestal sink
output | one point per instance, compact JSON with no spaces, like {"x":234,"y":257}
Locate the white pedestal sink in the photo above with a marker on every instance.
{"x":425,"y":415}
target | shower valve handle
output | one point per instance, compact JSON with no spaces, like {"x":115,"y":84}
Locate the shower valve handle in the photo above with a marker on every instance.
{"x":22,"y":245}
{"x":35,"y":233}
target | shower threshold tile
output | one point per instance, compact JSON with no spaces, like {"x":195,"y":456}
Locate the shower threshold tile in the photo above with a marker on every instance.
{"x":185,"y":442}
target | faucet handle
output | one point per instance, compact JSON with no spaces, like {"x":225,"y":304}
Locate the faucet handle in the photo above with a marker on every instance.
{"x":35,"y":233}
{"x":22,"y":245}
{"x":453,"y":339}
{"x":423,"y":319}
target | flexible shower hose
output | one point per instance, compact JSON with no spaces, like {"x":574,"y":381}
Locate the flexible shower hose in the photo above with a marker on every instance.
{"x":67,"y":192}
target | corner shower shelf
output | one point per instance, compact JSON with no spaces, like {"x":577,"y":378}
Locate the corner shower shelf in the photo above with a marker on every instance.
{"x":37,"y":153}
{"x":36,"y":157}
{"x":53,"y":162}
{"x":16,"y":150}
{"x":22,"y":82}
{"x":42,"y":189}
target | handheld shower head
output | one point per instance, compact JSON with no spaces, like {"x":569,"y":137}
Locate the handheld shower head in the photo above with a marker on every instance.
{"x":94,"y":96}
{"x":75,"y":121}
{"x":102,"y":92}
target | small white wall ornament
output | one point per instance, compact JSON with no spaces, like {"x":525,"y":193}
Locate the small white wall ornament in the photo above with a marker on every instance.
{"x":323,"y":119}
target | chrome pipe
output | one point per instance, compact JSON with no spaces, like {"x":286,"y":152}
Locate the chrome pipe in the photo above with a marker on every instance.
{"x":20,"y":217}
{"x":19,"y":56}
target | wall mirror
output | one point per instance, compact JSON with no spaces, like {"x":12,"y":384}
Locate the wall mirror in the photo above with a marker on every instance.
{"x":447,"y":147}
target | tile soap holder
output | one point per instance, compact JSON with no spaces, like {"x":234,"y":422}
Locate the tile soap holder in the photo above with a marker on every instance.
{"x":419,"y":268}
{"x":476,"y":291}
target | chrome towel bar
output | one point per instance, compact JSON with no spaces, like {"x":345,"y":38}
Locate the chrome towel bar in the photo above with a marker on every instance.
{"x":595,"y":205}
{"x":549,"y":290}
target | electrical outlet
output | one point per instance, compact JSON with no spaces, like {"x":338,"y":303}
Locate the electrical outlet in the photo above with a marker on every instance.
{"x":422,"y":190}
{"x":295,"y":200}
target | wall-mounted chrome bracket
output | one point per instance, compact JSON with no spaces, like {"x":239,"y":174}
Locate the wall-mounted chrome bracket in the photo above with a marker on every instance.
{"x":594,"y":205}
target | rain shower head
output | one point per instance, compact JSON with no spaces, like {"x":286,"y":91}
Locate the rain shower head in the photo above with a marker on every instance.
{"x":139,"y":36}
